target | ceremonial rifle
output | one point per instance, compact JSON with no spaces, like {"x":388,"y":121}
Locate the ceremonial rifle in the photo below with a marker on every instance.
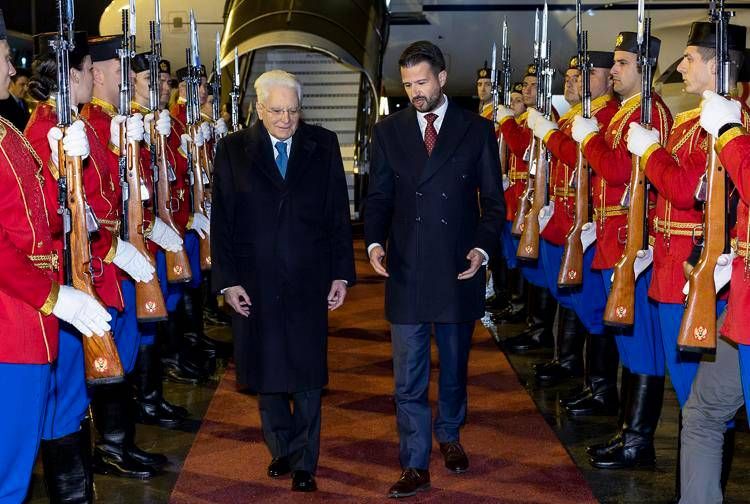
{"x":524,"y":200}
{"x":101,"y":362}
{"x":571,"y":266}
{"x":196,"y":161}
{"x":504,"y":93}
{"x":620,"y":308}
{"x":178,"y":264}
{"x":528,"y":246}
{"x":234,"y":95}
{"x":216,"y":86}
{"x":150,"y":306}
{"x":698,"y":327}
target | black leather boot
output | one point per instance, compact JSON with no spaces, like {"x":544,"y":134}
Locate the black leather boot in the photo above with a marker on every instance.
{"x":598,"y":449}
{"x":115,"y":452}
{"x":201,"y":350}
{"x":636,"y":448}
{"x":569,"y":361}
{"x":67,"y":467}
{"x":538,"y":333}
{"x":515,"y":311}
{"x":178,"y":368}
{"x":151,"y":407}
{"x":600,"y":397}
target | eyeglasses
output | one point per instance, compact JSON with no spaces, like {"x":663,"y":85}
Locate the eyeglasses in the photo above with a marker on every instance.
{"x":278,"y":112}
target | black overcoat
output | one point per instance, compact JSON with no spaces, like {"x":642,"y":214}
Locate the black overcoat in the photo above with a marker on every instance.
{"x":430,"y":212}
{"x":284,"y":241}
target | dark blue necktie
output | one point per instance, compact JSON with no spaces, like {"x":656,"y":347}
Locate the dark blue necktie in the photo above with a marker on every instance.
{"x":282,"y":158}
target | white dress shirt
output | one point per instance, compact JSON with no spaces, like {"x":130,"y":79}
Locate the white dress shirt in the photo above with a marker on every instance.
{"x":440,"y":112}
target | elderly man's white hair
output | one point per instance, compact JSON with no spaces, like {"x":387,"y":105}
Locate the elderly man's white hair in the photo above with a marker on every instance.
{"x":273,"y":78}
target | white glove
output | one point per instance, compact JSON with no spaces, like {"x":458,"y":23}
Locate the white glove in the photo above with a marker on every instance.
{"x":132,"y":262}
{"x":81,"y":311}
{"x":532,"y":117}
{"x":717,"y":111}
{"x":503,"y":111}
{"x":643,"y":259}
{"x":583,"y":127}
{"x":200,"y":224}
{"x":220,"y":127}
{"x":185,"y":143}
{"x":207,"y":130}
{"x":163,"y":125}
{"x":543,"y":126}
{"x":135,"y":128}
{"x":545,"y":215}
{"x":641,"y":139}
{"x":588,"y":235}
{"x":163,"y":235}
{"x":114,"y":129}
{"x":200,"y":138}
{"x":75,"y":142}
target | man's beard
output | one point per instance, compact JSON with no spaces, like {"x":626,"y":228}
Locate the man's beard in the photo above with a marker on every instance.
{"x":428,"y":103}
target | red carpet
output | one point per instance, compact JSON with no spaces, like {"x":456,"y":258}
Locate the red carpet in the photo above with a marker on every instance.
{"x":514,"y":455}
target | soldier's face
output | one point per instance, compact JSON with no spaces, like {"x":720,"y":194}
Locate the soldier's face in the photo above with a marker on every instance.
{"x":280,"y":112}
{"x":697,"y":74}
{"x":572,"y":88}
{"x":203,"y":91}
{"x":141,"y":82}
{"x":164,"y":89}
{"x":82,"y":82}
{"x":484,"y":90}
{"x":423,"y":87}
{"x":516,"y":104}
{"x":626,"y":80}
{"x":601,"y":82}
{"x":6,"y":69}
{"x":529,"y":91}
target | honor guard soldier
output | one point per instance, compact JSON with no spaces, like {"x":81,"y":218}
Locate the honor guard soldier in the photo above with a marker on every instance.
{"x":642,"y":384}
{"x":555,"y":220}
{"x":32,"y":300}
{"x":599,"y":396}
{"x":484,"y":92}
{"x":721,"y":385}
{"x":541,"y":305}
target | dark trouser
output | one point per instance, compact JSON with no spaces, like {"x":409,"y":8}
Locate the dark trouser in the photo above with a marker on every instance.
{"x":292,"y":433}
{"x":411,"y":371}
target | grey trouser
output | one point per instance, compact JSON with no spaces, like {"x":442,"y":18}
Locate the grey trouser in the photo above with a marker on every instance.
{"x":714,"y":399}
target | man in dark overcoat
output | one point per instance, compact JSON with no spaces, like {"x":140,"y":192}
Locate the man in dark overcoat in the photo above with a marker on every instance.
{"x":283,"y":257}
{"x":435,"y":204}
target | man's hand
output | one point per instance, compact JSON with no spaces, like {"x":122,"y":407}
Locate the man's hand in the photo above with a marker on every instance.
{"x":238,"y":299}
{"x":337,"y":294}
{"x":476,"y":259}
{"x":377,"y":255}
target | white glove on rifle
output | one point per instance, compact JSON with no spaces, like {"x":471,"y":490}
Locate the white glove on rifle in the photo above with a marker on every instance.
{"x":717,"y":112}
{"x":133,"y":125}
{"x":503,"y":111}
{"x":164,"y":236}
{"x":200,"y":224}
{"x":132,"y":262}
{"x":532,"y":117}
{"x":163,"y":125}
{"x":543,"y":126}
{"x":81,"y":311}
{"x":75,"y":142}
{"x":220,"y":127}
{"x":641,"y":139}
{"x":583,"y":127}
{"x":207,"y":130}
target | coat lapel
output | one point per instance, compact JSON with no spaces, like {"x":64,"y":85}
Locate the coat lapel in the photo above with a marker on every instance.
{"x":302,"y":148}
{"x":452,"y":131}
{"x":258,"y":147}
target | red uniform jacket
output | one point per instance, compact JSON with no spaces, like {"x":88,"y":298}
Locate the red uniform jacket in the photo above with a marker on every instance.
{"x":30,"y":258}
{"x":734,"y":152}
{"x":102,"y":195}
{"x":565,"y":155}
{"x":608,"y":156}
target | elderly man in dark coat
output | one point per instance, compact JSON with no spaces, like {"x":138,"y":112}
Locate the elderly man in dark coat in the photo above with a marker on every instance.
{"x":282,"y":256}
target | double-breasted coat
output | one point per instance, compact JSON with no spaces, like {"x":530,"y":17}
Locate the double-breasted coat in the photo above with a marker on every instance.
{"x":284,"y":240}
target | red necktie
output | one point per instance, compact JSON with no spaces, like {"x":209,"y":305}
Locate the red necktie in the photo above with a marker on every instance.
{"x":430,"y":133}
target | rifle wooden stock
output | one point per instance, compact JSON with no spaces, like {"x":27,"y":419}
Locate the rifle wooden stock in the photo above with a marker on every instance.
{"x":571,"y":266}
{"x":149,"y":300}
{"x":528,"y":245}
{"x":698,"y":327}
{"x":620,"y":308}
{"x":178,"y":264}
{"x":524,"y":200}
{"x":199,"y":199}
{"x":101,"y":362}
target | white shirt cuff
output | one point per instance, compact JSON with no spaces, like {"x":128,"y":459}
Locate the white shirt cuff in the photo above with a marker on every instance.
{"x":372,"y":246}
{"x":486,"y":257}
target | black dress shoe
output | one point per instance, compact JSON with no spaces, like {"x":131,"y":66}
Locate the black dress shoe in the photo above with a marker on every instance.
{"x":455,"y":457}
{"x":155,"y":460}
{"x":411,"y":481}
{"x":278,"y":467}
{"x":120,"y":464}
{"x":303,"y":481}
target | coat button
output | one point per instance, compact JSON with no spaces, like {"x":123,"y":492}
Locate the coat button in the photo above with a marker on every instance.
{"x":418,"y":219}
{"x":444,"y":221}
{"x":419,"y":194}
{"x":445,"y":196}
